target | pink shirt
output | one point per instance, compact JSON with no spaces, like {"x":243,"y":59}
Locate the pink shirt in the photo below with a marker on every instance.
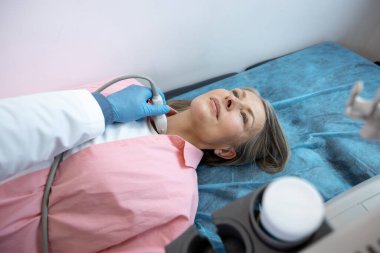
{"x":134,"y":195}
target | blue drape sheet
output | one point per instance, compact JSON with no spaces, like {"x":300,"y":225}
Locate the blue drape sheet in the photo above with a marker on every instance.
{"x":309,"y":90}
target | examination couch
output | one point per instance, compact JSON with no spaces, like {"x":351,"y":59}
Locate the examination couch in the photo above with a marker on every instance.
{"x":309,"y":90}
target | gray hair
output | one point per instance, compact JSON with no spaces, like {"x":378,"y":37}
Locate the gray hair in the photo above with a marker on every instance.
{"x":269,"y":148}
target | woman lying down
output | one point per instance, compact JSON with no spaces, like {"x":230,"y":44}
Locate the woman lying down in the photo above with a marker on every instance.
{"x":121,"y":187}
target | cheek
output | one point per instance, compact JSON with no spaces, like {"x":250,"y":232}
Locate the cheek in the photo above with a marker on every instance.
{"x":232,"y":126}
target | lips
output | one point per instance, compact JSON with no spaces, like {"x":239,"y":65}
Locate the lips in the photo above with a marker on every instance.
{"x":216,"y":106}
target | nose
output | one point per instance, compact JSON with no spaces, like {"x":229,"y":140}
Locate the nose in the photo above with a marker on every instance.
{"x":232,"y":102}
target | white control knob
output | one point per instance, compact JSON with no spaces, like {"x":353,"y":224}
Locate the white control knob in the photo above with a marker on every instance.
{"x":292,"y":209}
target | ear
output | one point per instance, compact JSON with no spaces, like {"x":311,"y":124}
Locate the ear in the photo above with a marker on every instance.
{"x":227,"y":154}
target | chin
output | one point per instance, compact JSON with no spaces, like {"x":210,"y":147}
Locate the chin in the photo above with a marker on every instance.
{"x":201,"y":111}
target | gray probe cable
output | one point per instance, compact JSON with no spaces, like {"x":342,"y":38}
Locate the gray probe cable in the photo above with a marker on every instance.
{"x":45,"y":201}
{"x":108,"y":84}
{"x":58,"y":159}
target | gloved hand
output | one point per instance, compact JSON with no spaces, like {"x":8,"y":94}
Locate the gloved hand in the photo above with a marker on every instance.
{"x":131,"y":104}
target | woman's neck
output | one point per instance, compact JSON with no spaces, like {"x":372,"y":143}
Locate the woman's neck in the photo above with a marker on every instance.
{"x":181,"y":125}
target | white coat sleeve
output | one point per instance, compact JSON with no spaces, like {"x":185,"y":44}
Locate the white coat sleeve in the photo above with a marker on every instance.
{"x":35,"y":128}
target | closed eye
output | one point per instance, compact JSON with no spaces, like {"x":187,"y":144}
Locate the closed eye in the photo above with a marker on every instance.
{"x":243,"y":114}
{"x":245,"y":118}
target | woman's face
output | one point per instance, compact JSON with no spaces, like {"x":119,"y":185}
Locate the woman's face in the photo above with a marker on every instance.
{"x":225,"y":119}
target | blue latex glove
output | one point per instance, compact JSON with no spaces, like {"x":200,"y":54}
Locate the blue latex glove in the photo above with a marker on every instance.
{"x":130,"y":104}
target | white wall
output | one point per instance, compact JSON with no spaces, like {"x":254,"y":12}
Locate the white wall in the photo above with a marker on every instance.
{"x":49,"y":45}
{"x":373,"y":45}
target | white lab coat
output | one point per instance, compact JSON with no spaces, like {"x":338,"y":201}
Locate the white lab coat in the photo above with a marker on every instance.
{"x":36,"y":128}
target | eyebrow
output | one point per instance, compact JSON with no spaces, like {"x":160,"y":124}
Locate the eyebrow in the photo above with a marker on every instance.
{"x":249,"y":109}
